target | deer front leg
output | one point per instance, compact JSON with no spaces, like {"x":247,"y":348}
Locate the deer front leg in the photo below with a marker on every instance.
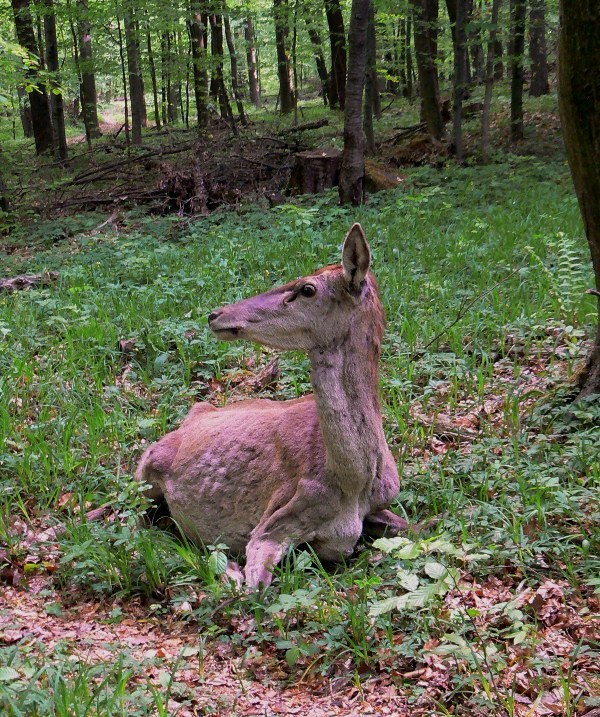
{"x":383,"y":522}
{"x":262,"y":554}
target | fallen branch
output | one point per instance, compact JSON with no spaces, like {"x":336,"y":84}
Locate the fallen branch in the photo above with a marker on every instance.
{"x":26,"y":281}
{"x":593,"y":292}
{"x":314,"y":124}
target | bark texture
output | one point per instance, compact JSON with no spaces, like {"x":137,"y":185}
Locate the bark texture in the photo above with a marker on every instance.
{"x":579,"y":96}
{"x":425,"y":16}
{"x":489,"y":83}
{"x":57,"y":106}
{"x":87,"y":88}
{"x":287,"y":97}
{"x":136,"y":92}
{"x":538,"y":54}
{"x":352,"y":175}
{"x":337,"y":40}
{"x":251,"y":62}
{"x":517,"y":48}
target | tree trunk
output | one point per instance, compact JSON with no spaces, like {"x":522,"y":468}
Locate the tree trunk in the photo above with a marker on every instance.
{"x":197,"y":28}
{"x":4,"y":200}
{"x":337,"y":41}
{"x":426,"y":51}
{"x":38,"y":98}
{"x":473,"y":21}
{"x":234,"y":71}
{"x":25,"y":112}
{"x":409,"y":61}
{"x":315,"y":39}
{"x":489,"y":83}
{"x":352,"y":174}
{"x":251,"y":61}
{"x":539,"y":84}
{"x":135,"y":83}
{"x":87,"y":89}
{"x":517,"y":47}
{"x":579,"y":101}
{"x":284,"y":68}
{"x":498,"y":61}
{"x":152,"y":66}
{"x":124,"y":79}
{"x":57,"y":106}
{"x":370,"y":81}
{"x":457,"y":12}
{"x":216,"y":27}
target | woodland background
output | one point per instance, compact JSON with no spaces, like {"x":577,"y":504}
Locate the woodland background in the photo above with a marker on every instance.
{"x":160,"y":160}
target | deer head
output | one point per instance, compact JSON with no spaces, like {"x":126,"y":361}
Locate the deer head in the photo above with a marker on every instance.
{"x":314,"y":312}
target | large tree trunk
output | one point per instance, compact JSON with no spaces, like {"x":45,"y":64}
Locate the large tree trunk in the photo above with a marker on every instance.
{"x":287,"y":96}
{"x":517,"y":48}
{"x":57,"y":106}
{"x":135,"y":82}
{"x":87,"y":89}
{"x":579,"y":97}
{"x":234,"y":70}
{"x":38,"y":98}
{"x":489,"y":83}
{"x":251,"y":62}
{"x":425,"y":15}
{"x":538,"y":84}
{"x":352,"y":174}
{"x":197,"y":27}
{"x":337,"y":41}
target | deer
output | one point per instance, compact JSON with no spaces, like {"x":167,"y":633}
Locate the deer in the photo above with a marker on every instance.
{"x":262,"y":475}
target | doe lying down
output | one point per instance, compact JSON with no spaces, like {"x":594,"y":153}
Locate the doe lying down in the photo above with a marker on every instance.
{"x":260,"y":475}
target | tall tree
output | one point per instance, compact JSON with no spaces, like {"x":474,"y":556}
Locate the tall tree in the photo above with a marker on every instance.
{"x":38,"y":97}
{"x":56,"y":90}
{"x":352,"y":174}
{"x":489,"y":83}
{"x":518,"y":10}
{"x":234,"y":69}
{"x":579,"y":100}
{"x":87,"y":89}
{"x":216,"y":29}
{"x":337,"y":41}
{"x":457,"y":11}
{"x":136,"y":92}
{"x":198,"y":34}
{"x":538,"y":57}
{"x":287,"y":96}
{"x":425,"y":19}
{"x":371,"y":89}
{"x":152,"y":67}
{"x":315,"y":39}
{"x":251,"y":61}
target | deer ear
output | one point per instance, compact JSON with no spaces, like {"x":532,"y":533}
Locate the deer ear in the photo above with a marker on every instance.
{"x":356,"y":256}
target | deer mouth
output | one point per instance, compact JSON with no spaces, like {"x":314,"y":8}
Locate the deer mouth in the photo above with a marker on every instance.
{"x":226,"y":332}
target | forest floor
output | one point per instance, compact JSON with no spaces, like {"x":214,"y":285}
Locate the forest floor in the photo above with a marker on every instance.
{"x":492,"y":610}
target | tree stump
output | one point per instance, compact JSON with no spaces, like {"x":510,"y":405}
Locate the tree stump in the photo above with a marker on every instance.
{"x":316,"y":170}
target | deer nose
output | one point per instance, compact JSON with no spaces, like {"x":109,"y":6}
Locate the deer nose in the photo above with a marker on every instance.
{"x":213,"y":315}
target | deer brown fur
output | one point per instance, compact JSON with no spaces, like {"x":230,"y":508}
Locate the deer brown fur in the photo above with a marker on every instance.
{"x":260,"y":475}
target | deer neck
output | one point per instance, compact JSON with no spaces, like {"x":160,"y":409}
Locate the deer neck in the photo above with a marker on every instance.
{"x":345,"y":382}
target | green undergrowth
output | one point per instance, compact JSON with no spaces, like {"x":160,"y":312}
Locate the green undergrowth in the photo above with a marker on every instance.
{"x":482,"y":273}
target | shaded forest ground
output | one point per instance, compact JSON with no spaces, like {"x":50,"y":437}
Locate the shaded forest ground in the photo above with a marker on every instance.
{"x":492,"y":611}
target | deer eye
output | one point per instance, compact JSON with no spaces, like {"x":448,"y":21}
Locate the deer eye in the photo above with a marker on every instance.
{"x":308,"y":290}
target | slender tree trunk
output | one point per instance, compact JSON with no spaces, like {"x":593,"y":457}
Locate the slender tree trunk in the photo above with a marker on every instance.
{"x":138,"y":52}
{"x":498,"y":60}
{"x":337,"y":41}
{"x":457,"y":12}
{"x":152,"y":67}
{"x":197,"y":27}
{"x":135,"y":84}
{"x":4,"y":200}
{"x":539,"y":84}
{"x":57,"y":106}
{"x":579,"y":101}
{"x":517,"y":47}
{"x":234,"y":71}
{"x":315,"y":39}
{"x":284,"y":69}
{"x":216,"y":26}
{"x":489,"y":84}
{"x":352,"y":174}
{"x":251,"y":61}
{"x":87,"y":90}
{"x":426,"y":51}
{"x":38,"y":98}
{"x":409,"y":61}
{"x":124,"y":79}
{"x":402,"y":56}
{"x":25,"y":112}
{"x":370,"y":81}
{"x":473,"y":21}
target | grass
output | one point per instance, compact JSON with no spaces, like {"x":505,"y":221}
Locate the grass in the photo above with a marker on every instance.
{"x":517,"y":506}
